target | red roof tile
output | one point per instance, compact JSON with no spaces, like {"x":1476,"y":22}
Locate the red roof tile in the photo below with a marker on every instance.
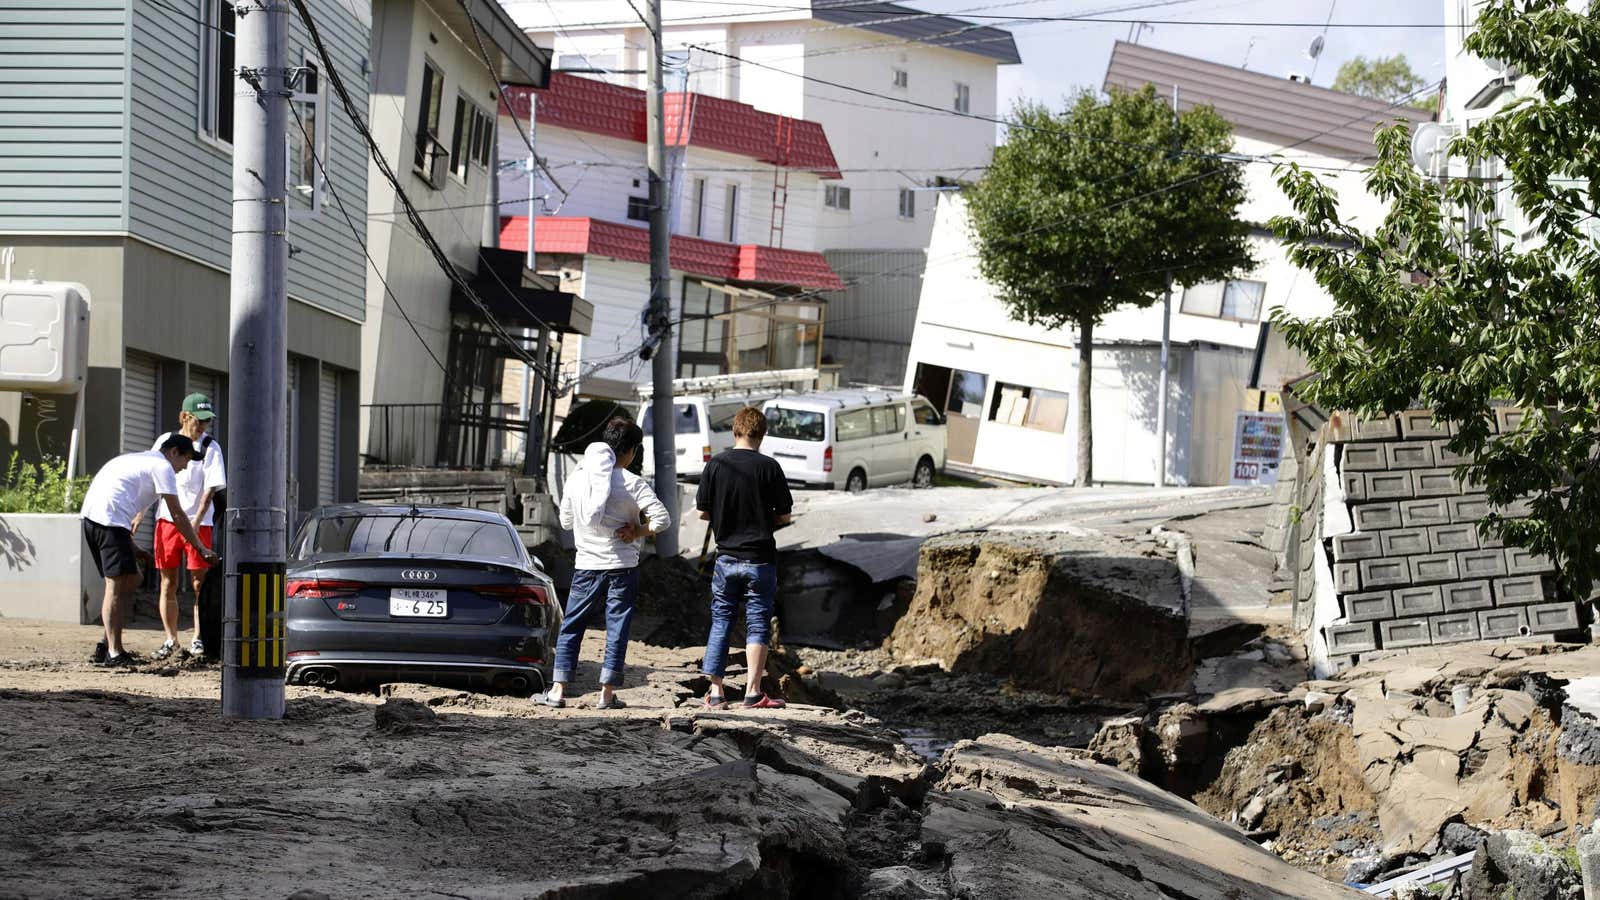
{"x":584,"y":104}
{"x":697,"y":256}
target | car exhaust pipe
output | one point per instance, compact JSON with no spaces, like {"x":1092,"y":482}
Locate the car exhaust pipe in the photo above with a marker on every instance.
{"x":330,"y":676}
{"x":323,"y":675}
{"x":519,"y":684}
{"x":311,"y":677}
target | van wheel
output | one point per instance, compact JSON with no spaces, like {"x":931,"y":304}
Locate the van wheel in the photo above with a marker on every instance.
{"x":857,"y":482}
{"x":923,"y":476}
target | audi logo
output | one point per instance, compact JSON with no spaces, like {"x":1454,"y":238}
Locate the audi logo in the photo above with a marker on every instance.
{"x":419,"y":575}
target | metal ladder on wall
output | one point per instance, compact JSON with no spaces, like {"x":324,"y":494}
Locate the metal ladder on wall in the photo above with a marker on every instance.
{"x":780,"y":180}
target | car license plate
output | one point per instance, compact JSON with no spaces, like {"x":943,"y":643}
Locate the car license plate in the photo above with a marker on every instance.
{"x":418,"y":603}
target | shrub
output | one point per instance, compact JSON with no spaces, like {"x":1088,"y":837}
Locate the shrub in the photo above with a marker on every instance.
{"x":40,"y":487}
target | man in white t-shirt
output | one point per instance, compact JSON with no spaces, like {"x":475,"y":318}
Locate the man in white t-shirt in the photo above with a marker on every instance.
{"x":120,"y":491}
{"x":198,"y":484}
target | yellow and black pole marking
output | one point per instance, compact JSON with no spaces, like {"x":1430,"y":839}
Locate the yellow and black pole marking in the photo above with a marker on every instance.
{"x":261,"y":636}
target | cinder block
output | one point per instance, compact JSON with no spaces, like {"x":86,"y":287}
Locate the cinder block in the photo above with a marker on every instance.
{"x":1502,"y":623}
{"x":1451,"y":538}
{"x":1444,"y":456}
{"x":1481,"y":563}
{"x":1418,"y":423}
{"x":1522,"y":561}
{"x":1375,"y":516}
{"x":1410,"y":455}
{"x":1341,"y":664}
{"x":1356,"y":637}
{"x":1507,"y":418}
{"x":1435,"y":483}
{"x":1376,"y":573}
{"x":1388,"y":485}
{"x":1547,"y":618}
{"x":1491,"y":541}
{"x":1364,"y":458}
{"x":1418,"y":601}
{"x":1351,"y":547}
{"x":1428,"y":569}
{"x":1369,"y":607}
{"x":1423,"y":513}
{"x":1381,"y":429}
{"x":1404,"y":542}
{"x":1346,"y":578}
{"x":1452,"y":628}
{"x":1405,"y":633}
{"x":1516,"y":509}
{"x":1466,"y":595}
{"x":1470,"y":508}
{"x":1355,"y":486}
{"x":1518,"y":590}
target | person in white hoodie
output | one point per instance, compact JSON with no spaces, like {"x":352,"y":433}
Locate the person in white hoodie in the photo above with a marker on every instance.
{"x":609,"y":510}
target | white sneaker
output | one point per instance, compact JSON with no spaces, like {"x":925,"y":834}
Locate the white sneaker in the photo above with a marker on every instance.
{"x":197,"y":648}
{"x":165,"y":650}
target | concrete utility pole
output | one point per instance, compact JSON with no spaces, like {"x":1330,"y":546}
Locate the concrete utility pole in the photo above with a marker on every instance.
{"x":1166,"y":341}
{"x":664,"y":430}
{"x":256,"y":520}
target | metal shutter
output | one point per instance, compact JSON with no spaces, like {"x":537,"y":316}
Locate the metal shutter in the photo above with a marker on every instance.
{"x":327,"y":436}
{"x":213,"y":385}
{"x":141,"y":419}
{"x":291,"y":418}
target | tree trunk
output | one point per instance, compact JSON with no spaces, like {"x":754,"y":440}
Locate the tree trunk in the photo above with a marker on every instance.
{"x":1085,"y":406}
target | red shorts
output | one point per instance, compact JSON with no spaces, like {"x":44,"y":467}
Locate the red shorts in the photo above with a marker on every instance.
{"x":171,"y":548}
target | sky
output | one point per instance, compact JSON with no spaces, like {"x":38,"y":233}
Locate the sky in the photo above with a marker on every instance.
{"x":1061,"y":57}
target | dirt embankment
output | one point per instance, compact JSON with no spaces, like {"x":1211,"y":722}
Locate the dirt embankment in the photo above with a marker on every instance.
{"x":1088,"y":616}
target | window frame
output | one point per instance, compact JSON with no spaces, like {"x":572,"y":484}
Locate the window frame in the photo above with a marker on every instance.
{"x":426,"y":151}
{"x":963,"y":99}
{"x":698,"y":226}
{"x":730,"y":213}
{"x":319,"y":140}
{"x":213,"y":97}
{"x":1185,"y":307}
{"x":461,"y":138}
{"x":839,"y":418}
{"x":1028,"y":416}
{"x":836,"y":197}
{"x":901,"y":78}
{"x":908,"y":204}
{"x":638,"y":209}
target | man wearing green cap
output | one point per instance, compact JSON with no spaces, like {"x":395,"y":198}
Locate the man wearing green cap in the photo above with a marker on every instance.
{"x":197,"y":486}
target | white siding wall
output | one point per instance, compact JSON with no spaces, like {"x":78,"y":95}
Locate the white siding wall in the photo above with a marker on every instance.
{"x":619,"y":291}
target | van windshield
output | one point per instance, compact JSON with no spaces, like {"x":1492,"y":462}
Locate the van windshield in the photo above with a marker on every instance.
{"x":685,"y":421}
{"x":796,"y":424}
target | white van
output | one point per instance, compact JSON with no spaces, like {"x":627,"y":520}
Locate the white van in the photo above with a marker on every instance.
{"x":704,"y":427}
{"x":855,"y":438}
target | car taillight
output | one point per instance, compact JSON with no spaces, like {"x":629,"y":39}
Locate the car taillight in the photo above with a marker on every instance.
{"x":514,"y":593}
{"x":705,"y":453}
{"x":322,"y":587}
{"x":296,"y":654}
{"x":827,"y":459}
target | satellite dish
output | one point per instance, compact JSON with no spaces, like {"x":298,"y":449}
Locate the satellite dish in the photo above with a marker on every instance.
{"x":1497,"y":66}
{"x":1315,"y":50}
{"x":1428,"y":147}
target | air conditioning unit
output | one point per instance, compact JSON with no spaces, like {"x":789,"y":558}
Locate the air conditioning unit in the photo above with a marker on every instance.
{"x":438,"y":166}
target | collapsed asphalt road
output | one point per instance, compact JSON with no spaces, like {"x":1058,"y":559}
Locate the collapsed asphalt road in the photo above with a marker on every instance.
{"x":130,"y":784}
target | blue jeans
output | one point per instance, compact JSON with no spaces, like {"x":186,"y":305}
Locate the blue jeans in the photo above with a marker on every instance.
{"x":618,"y":590}
{"x":732,"y":580}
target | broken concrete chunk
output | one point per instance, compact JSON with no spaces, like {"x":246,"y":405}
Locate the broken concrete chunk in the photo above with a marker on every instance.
{"x":1521,"y":864}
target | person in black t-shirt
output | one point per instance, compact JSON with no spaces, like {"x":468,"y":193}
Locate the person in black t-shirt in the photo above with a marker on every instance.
{"x":745,"y":497}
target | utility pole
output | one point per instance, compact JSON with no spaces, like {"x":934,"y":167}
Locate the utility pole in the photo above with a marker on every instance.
{"x":664,"y":430}
{"x":256,"y":519}
{"x":1166,"y":341}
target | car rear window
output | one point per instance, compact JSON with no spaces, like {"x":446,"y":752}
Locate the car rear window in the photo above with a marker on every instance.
{"x":686,"y":420}
{"x":796,"y":424}
{"x":423,"y":535}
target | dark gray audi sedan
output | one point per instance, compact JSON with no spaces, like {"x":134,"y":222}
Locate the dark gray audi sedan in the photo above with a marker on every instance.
{"x":439,"y":595}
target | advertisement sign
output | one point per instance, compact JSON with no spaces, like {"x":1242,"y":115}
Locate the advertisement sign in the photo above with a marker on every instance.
{"x":1257,"y":447}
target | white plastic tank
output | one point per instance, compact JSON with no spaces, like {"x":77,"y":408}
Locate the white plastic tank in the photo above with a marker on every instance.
{"x":44,"y":336}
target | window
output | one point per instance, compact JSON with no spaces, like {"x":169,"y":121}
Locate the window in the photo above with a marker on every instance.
{"x":796,"y":424}
{"x":482,"y":137}
{"x":461,"y":138}
{"x":1029,"y":408}
{"x":924,"y":414}
{"x":216,"y":71}
{"x":966,"y":393}
{"x":423,"y":535}
{"x":308,"y":141}
{"x":852,"y":425}
{"x":963,"y":98}
{"x":731,"y":212}
{"x":697,"y":212}
{"x":836,"y":196}
{"x":888,"y":420}
{"x":639,"y":209}
{"x":720,"y":416}
{"x":908,"y":203}
{"x":901,"y":78}
{"x":428,"y":146}
{"x":1235,"y":299}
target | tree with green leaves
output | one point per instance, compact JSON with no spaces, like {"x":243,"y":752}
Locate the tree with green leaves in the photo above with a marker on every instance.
{"x":1482,"y":288}
{"x":1386,"y":78}
{"x":1086,"y":211}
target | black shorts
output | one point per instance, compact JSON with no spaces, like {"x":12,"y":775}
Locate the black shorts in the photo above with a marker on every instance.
{"x":112,"y":549}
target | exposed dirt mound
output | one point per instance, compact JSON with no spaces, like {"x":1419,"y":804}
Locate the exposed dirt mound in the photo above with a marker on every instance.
{"x":1089,"y":616}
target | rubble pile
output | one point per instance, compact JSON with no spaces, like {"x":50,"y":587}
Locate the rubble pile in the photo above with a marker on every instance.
{"x":1087,"y":616}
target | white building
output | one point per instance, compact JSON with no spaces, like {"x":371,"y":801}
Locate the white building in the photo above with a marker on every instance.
{"x":744,"y":227}
{"x":813,"y":62}
{"x":1009,"y":386}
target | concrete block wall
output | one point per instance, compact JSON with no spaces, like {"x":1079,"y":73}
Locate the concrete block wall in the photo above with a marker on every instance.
{"x":1413,"y":570}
